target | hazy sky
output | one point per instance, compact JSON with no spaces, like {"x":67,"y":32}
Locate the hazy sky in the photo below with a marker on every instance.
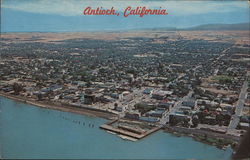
{"x":66,"y":15}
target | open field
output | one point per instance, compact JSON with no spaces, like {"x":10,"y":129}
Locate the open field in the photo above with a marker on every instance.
{"x":238,"y":37}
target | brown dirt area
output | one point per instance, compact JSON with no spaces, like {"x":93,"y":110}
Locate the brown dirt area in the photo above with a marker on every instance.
{"x":238,"y":37}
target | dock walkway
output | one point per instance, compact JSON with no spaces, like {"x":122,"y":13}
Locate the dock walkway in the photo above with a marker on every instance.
{"x":109,"y":127}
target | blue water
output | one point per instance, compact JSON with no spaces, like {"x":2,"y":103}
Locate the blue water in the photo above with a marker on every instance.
{"x":33,"y":132}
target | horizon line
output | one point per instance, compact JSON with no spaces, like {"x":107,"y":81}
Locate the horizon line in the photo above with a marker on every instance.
{"x":131,"y":29}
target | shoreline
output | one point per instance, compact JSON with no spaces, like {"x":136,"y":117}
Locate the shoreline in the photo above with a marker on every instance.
{"x":210,"y":138}
{"x":62,"y":107}
{"x":221,"y":141}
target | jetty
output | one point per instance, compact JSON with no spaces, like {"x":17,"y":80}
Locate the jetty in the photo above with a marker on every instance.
{"x":128,"y":131}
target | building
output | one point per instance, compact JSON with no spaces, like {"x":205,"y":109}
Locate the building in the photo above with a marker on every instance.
{"x":120,"y":108}
{"x":89,"y":99}
{"x":116,"y":96}
{"x":209,"y":120}
{"x":184,"y":108}
{"x":149,"y":119}
{"x":166,"y":105}
{"x":190,"y":104}
{"x":55,"y":87}
{"x":156,"y":113}
{"x":132,"y":115}
{"x":160,"y":95}
{"x":227,"y":107}
{"x":148,"y":91}
{"x":244,"y":126}
{"x":177,"y":117}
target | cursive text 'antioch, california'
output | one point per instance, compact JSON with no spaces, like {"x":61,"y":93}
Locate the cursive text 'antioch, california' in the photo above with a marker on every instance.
{"x":128,"y":11}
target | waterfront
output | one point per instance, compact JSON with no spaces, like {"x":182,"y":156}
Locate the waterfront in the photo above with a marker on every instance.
{"x":33,"y":132}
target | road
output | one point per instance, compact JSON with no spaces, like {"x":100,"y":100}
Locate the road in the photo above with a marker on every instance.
{"x":223,"y":53}
{"x":239,"y":107}
{"x":177,"y":105}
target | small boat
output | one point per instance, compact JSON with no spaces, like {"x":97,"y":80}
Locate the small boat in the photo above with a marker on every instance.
{"x":111,"y":132}
{"x":127,"y":138}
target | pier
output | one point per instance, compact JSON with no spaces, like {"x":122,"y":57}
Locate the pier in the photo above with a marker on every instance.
{"x":128,"y":131}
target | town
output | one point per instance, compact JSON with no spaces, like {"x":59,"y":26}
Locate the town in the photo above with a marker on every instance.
{"x":187,"y":82}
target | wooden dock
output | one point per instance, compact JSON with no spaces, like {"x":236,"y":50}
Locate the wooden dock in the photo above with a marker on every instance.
{"x":128,"y":133}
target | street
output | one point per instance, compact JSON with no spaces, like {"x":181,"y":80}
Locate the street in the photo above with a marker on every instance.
{"x":239,"y":107}
{"x":177,"y":105}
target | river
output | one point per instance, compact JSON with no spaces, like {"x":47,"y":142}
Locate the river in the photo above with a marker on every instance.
{"x":27,"y":131}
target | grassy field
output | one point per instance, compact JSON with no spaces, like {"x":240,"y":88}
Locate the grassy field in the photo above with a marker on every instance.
{"x":223,"y":79}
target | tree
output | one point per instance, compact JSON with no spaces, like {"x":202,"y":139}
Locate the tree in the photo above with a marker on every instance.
{"x":17,"y":88}
{"x":39,"y":96}
{"x":115,"y":105}
{"x":195,"y":121}
{"x":88,"y":84}
{"x":60,"y":81}
{"x":205,"y":136}
{"x":186,"y":123}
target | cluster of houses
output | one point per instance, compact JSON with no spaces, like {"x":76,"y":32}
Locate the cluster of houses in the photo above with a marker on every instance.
{"x":89,"y":72}
{"x":157,"y":106}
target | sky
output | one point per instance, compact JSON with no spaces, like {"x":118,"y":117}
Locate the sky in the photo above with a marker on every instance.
{"x":66,"y":15}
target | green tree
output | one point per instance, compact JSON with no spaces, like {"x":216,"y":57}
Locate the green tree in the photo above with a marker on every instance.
{"x":17,"y":88}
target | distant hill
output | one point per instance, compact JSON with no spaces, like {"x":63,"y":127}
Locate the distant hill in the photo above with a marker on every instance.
{"x":238,"y":26}
{"x":219,"y":27}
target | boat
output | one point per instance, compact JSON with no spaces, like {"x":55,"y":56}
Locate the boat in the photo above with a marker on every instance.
{"x":111,"y":132}
{"x":127,"y":138}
